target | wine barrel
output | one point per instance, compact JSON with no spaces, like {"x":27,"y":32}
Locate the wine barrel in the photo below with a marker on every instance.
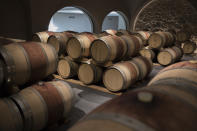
{"x":67,"y":94}
{"x":12,"y":119}
{"x":44,"y":104}
{"x":18,"y":65}
{"x":141,"y":110}
{"x":161,"y":39}
{"x":67,"y":68}
{"x":134,"y":45}
{"x":5,"y":40}
{"x":189,"y":47}
{"x":169,"y":56}
{"x":183,"y":64}
{"x":185,"y":71}
{"x":182,"y":36}
{"x":122,"y":75}
{"x":42,"y":36}
{"x":144,"y":35}
{"x":148,"y":53}
{"x":59,"y":98}
{"x":108,"y":48}
{"x":110,"y":31}
{"x":59,"y":42}
{"x":144,"y":65}
{"x":90,"y":73}
{"x":28,"y":62}
{"x":52,"y":58}
{"x":39,"y":60}
{"x":177,"y":88}
{"x":123,"y":32}
{"x":70,"y":33}
{"x":178,"y":80}
{"x":79,"y":45}
{"x":91,"y":36}
{"x":33,"y":109}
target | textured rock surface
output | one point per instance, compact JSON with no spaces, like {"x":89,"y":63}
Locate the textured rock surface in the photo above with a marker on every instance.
{"x":168,"y":14}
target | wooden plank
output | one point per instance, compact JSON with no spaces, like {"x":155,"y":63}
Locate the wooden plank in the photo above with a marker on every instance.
{"x":95,"y":87}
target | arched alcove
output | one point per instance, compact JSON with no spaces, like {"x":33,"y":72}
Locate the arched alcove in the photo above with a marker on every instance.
{"x":115,"y":20}
{"x":72,"y":19}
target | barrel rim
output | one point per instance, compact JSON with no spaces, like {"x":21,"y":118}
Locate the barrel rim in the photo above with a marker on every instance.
{"x":169,"y":55}
{"x":81,"y":49}
{"x":122,"y":75}
{"x":108,"y":47}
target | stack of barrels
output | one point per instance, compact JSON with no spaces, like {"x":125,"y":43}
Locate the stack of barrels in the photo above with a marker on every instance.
{"x":167,"y":48}
{"x":87,"y":56}
{"x":160,"y":47}
{"x":169,"y":102}
{"x":164,"y":42}
{"x":184,"y":40}
{"x":57,"y":39}
{"x":36,"y":107}
{"x":38,"y":104}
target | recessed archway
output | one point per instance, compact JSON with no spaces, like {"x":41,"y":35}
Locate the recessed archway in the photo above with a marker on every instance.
{"x":72,"y":19}
{"x":115,"y":20}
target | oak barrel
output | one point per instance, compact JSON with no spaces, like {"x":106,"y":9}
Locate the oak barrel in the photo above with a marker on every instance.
{"x":11,"y":116}
{"x":108,"y":48}
{"x":144,"y":35}
{"x":189,"y":47}
{"x":161,"y":39}
{"x":178,"y":80}
{"x":44,"y":104}
{"x":122,"y":75}
{"x":59,"y":42}
{"x":148,"y":53}
{"x":183,"y":64}
{"x":123,"y":32}
{"x":33,"y":109}
{"x":110,"y":31}
{"x":89,"y":73}
{"x":42,"y":36}
{"x":134,"y":45}
{"x":141,"y":110}
{"x":18,"y":66}
{"x":182,"y":36}
{"x":186,"y":71}
{"x":169,"y":55}
{"x":28,"y":62}
{"x":79,"y":45}
{"x":5,"y":40}
{"x":70,"y":33}
{"x":67,"y":68}
{"x":144,"y":65}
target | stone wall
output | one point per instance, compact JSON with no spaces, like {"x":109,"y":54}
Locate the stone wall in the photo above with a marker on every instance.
{"x":168,"y":14}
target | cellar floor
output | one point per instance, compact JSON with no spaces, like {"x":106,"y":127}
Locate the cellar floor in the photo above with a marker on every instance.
{"x":89,"y":98}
